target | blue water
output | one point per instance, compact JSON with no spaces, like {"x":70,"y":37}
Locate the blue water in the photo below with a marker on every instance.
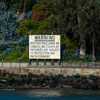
{"x":50,"y":95}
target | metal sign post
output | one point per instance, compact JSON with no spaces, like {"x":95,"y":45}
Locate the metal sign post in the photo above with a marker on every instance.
{"x":29,"y":61}
{"x":44,"y":61}
{"x":52,"y":62}
{"x":59,"y":61}
{"x":37,"y":62}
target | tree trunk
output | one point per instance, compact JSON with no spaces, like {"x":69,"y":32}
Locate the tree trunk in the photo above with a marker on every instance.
{"x":19,"y":7}
{"x":82,"y":43}
{"x":3,"y":39}
{"x":93,"y":48}
{"x":24,"y":6}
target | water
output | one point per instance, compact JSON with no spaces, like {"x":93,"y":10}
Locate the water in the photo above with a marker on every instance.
{"x":50,"y":95}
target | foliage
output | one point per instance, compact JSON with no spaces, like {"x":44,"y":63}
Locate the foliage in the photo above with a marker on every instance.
{"x":28,"y":25}
{"x":77,"y":21}
{"x":32,"y":27}
{"x":39,"y":16}
{"x":20,"y":4}
{"x":67,"y":43}
{"x":16,"y":55}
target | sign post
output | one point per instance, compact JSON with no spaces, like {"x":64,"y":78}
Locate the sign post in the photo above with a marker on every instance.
{"x":29,"y":61}
{"x":44,"y":61}
{"x":52,"y":63}
{"x":37,"y":62}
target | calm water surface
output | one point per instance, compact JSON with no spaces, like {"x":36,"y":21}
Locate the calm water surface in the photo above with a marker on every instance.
{"x":50,"y":95}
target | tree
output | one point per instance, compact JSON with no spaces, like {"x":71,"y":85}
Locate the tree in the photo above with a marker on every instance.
{"x":77,"y":20}
{"x":38,"y":24}
{"x":94,"y":26}
{"x":72,"y":17}
{"x":82,"y":14}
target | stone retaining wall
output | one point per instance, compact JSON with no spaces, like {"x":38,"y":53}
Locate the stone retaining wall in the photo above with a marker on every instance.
{"x":64,"y":68}
{"x":48,"y":64}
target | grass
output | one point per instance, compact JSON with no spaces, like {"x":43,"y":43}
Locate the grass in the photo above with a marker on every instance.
{"x":16,"y":56}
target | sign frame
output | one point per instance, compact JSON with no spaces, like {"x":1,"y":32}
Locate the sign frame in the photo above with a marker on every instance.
{"x":44,"y":40}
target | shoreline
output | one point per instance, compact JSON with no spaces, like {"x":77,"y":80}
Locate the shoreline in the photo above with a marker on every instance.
{"x":34,"y":87}
{"x":15,"y":88}
{"x":47,"y":89}
{"x":32,"y":81}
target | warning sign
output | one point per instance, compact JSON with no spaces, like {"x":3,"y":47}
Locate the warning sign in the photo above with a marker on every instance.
{"x":44,"y":46}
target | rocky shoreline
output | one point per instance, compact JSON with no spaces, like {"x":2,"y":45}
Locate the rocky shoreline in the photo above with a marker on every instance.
{"x":31,"y":81}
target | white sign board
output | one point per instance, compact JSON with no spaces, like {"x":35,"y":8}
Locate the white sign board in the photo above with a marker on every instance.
{"x":44,"y":46}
